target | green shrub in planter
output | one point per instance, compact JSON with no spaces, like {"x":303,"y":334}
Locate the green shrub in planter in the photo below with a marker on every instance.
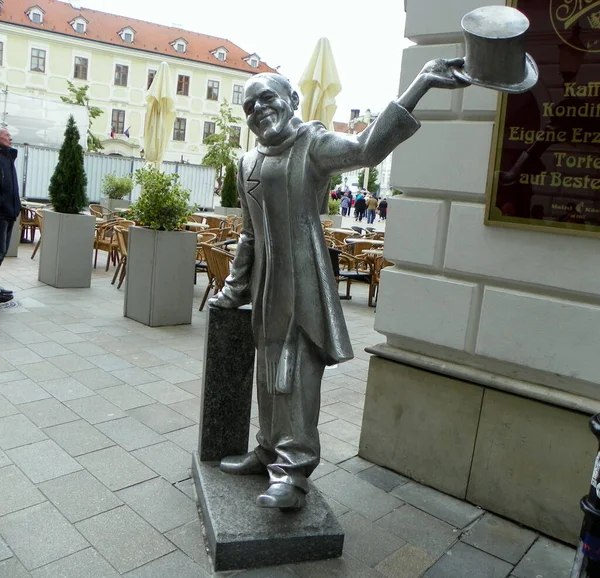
{"x":229,"y":195}
{"x":114,"y":187}
{"x":69,"y":181}
{"x":334,"y":206}
{"x":163,"y":203}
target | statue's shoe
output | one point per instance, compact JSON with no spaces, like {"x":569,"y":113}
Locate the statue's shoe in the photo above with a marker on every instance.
{"x":282,"y":496}
{"x":243,"y":465}
{"x":6,"y":298}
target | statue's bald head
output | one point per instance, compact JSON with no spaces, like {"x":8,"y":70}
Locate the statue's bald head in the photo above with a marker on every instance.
{"x":277,"y":82}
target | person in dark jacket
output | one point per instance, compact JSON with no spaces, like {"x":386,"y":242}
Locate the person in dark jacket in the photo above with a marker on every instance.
{"x":10,"y":204}
{"x":360,"y":207}
{"x":383,"y":207}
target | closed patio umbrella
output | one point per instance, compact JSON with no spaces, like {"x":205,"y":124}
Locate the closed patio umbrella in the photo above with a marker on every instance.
{"x":160,"y":115}
{"x":319,"y":85}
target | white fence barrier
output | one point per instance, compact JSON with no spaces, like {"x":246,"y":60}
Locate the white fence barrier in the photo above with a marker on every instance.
{"x":35,"y":166}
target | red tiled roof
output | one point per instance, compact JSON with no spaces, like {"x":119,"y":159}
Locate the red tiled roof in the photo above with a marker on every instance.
{"x":345,"y":127}
{"x":149,"y":37}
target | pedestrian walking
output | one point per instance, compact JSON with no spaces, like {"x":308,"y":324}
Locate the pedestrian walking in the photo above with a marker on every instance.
{"x":359,"y":207}
{"x":346,"y":204}
{"x":383,"y":207}
{"x":10,"y":204}
{"x":371,"y":210}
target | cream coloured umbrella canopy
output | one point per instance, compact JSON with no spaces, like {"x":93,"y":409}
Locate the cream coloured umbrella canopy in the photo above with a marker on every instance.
{"x":319,"y":85}
{"x":160,"y":115}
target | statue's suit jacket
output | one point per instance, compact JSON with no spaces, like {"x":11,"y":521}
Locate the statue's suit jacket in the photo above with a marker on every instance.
{"x":282,"y":263}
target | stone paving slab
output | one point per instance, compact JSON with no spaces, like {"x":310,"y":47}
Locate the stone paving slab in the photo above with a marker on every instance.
{"x":464,"y":560}
{"x":174,"y":564}
{"x":160,"y":504}
{"x":116,"y":468}
{"x":456,"y":512}
{"x":78,"y":437}
{"x":40,"y":534}
{"x":364,"y":498}
{"x":79,"y":496}
{"x":129,"y":433}
{"x":84,"y":564}
{"x":429,"y":534}
{"x":124,"y":538}
{"x":43,"y":461}
{"x":499,"y":537}
{"x":546,"y":558}
{"x":74,"y":368}
{"x":48,"y":412}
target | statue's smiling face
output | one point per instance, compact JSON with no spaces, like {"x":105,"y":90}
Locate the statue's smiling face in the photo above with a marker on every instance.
{"x":268,"y":108}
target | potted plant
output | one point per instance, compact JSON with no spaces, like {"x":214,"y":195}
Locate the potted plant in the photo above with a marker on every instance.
{"x":114,"y":191}
{"x":229,"y":196}
{"x":333,"y":212}
{"x":68,"y":241}
{"x":159,"y":286}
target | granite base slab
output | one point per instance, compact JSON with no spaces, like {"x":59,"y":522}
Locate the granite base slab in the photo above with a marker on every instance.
{"x":242,"y":535}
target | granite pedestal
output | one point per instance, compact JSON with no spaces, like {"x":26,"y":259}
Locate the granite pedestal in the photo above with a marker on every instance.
{"x":239,"y":533}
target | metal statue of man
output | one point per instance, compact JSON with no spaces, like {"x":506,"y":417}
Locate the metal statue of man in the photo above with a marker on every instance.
{"x":283,"y":267}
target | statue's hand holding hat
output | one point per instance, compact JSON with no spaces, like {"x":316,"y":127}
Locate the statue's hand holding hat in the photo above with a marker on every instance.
{"x":495,"y":50}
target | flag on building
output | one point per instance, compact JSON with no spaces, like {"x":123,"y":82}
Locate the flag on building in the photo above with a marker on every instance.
{"x":126,"y":133}
{"x":112,"y":133}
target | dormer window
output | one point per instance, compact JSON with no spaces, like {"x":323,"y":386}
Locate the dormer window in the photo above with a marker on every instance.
{"x":253,"y":60}
{"x":79,"y":25}
{"x":127,"y":35}
{"x":220,"y":53}
{"x":180,"y":45}
{"x":36,"y":14}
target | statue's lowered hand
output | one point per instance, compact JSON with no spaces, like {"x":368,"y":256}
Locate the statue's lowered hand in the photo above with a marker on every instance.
{"x":439,"y":73}
{"x":224,"y":300}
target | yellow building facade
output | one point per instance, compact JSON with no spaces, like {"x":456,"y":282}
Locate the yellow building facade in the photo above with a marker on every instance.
{"x":38,"y":61}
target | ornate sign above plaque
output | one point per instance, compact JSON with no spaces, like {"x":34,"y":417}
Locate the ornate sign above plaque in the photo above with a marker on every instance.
{"x":545,"y":165}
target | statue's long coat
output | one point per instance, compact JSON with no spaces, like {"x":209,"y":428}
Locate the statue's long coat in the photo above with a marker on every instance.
{"x":282,"y":263}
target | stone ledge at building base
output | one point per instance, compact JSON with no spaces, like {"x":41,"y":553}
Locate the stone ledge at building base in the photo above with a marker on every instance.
{"x":524,"y":459}
{"x":242,"y":535}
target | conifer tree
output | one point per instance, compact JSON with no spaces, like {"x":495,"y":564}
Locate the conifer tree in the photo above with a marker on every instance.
{"x":229,"y":195}
{"x":69,"y":181}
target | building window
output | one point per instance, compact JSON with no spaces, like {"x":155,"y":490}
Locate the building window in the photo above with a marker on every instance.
{"x":118,"y":121}
{"x":151,"y":75}
{"x":1,"y":53}
{"x":221,"y":55}
{"x":36,"y":17}
{"x":38,"y":60}
{"x":183,"y":85}
{"x":180,"y":47}
{"x":81,"y":68}
{"x":209,"y":129}
{"x":253,"y":62}
{"x":179,"y":129}
{"x":235,"y":136}
{"x":79,"y":25}
{"x":121,"y":73}
{"x":127,"y":35}
{"x":238,"y":94}
{"x":212,"y":91}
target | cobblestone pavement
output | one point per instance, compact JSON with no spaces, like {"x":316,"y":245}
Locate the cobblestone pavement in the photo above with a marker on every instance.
{"x":98,"y":419}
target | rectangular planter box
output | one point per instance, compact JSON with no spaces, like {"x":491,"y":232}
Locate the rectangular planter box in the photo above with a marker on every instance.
{"x":228,"y":211}
{"x":66,"y":250}
{"x":337,"y":220}
{"x":15,"y":239}
{"x":159,"y":286}
{"x":113,"y":204}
